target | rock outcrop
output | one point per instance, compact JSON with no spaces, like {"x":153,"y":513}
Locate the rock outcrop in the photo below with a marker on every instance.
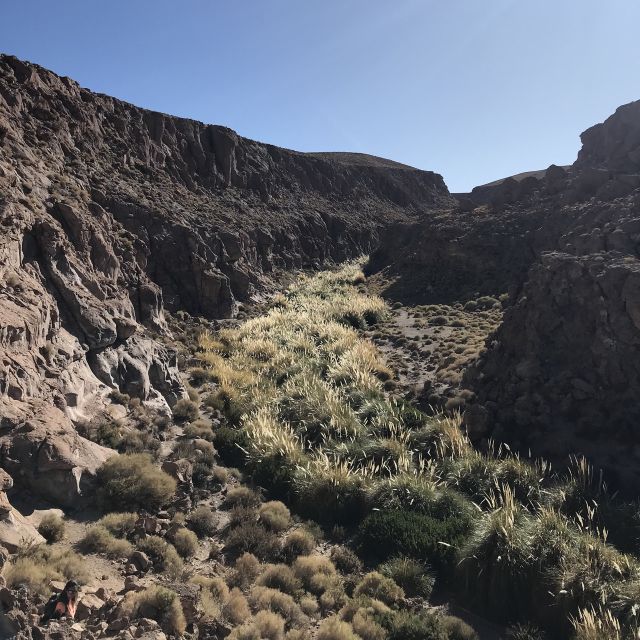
{"x":109,"y":214}
{"x":560,"y":375}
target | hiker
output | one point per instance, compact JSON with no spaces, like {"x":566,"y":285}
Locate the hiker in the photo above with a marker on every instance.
{"x":63,"y":604}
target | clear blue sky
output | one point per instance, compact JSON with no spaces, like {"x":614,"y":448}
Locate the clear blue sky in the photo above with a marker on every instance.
{"x":473,"y":89}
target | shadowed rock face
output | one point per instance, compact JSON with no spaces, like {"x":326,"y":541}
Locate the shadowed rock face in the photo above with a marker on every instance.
{"x":560,"y":375}
{"x":110,"y":213}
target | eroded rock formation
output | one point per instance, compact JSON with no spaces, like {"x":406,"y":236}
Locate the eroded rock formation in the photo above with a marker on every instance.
{"x":109,"y":214}
{"x":560,"y":375}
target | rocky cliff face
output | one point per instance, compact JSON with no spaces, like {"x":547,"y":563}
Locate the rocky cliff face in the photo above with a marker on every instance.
{"x":109,"y":214}
{"x":559,"y":376}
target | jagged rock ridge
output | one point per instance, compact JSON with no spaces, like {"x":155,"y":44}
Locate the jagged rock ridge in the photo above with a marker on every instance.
{"x":560,"y":375}
{"x":110,"y":214}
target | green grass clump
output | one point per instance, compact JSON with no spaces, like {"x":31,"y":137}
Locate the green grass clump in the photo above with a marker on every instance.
{"x":413,"y":576}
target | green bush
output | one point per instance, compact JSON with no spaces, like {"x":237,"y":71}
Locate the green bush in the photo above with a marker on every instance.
{"x":276,"y":473}
{"x":332,"y":501}
{"x":163,"y":555}
{"x":406,"y":625}
{"x":185,"y":410}
{"x":232,"y":445}
{"x":203,"y":521}
{"x":384,"y":534}
{"x":133,"y":481}
{"x":185,"y":542}
{"x":52,"y":527}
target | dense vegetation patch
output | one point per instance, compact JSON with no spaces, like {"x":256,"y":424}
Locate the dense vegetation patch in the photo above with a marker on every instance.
{"x":309,"y":417}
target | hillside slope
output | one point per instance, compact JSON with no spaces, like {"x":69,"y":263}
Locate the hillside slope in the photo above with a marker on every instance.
{"x":110,"y":214}
{"x":560,"y":375}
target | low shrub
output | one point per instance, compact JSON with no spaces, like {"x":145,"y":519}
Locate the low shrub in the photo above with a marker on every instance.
{"x":309,"y":605}
{"x":163,"y":555}
{"x":132,"y":481}
{"x":265,"y":625}
{"x":199,"y":429}
{"x":242,"y":515}
{"x":159,"y":604}
{"x":278,"y":602}
{"x":253,"y":538}
{"x":185,"y":542}
{"x":185,"y":410}
{"x":458,"y":629}
{"x":119,"y":398}
{"x":203,"y":521}
{"x":384,"y":534}
{"x":120,"y":525}
{"x":52,"y":527}
{"x":35,"y":567}
{"x":275,"y":516}
{"x":241,"y":497}
{"x":407,"y":625}
{"x":246,"y":570}
{"x":335,"y":629}
{"x":316,"y":572}
{"x":375,"y":585}
{"x":412,"y":575}
{"x":281,"y":577}
{"x":366,"y":627}
{"x":98,"y":539}
{"x":346,"y":560}
{"x":298,"y":543}
{"x":199,"y":376}
{"x":236,"y":608}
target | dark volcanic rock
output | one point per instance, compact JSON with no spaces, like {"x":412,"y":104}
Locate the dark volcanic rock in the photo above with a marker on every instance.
{"x":564,"y":373}
{"x":561,"y":374}
{"x":110,"y":214}
{"x":613,"y":145}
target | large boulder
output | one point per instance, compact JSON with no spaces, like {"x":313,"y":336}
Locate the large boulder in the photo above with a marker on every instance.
{"x":43,"y":452}
{"x":562,"y":374}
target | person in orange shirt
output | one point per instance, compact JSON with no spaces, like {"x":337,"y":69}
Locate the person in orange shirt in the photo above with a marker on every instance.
{"x":62,"y":605}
